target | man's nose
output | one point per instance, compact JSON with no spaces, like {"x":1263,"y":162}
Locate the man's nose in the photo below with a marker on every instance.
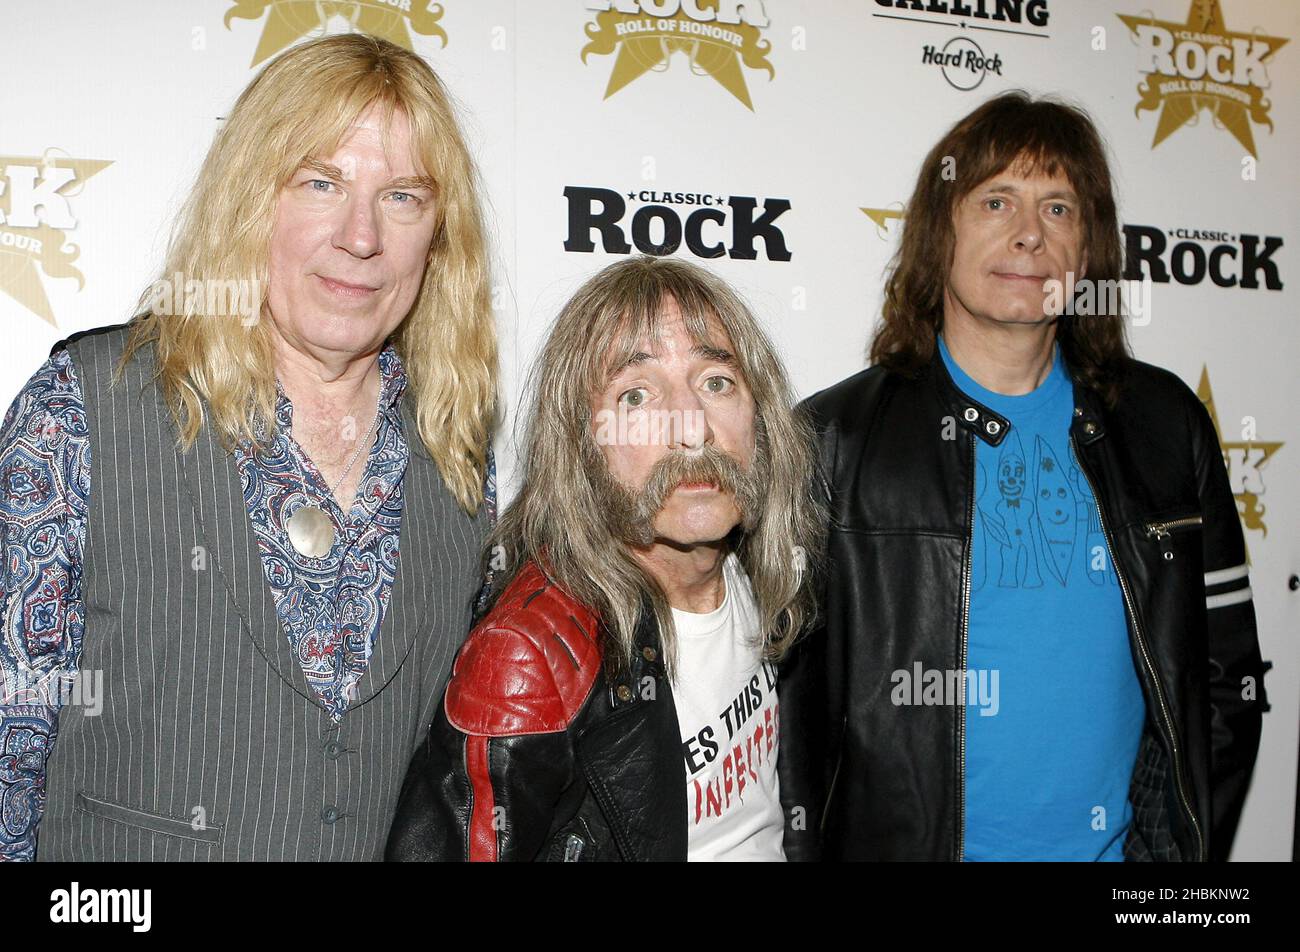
{"x":359,"y":231}
{"x":1027,"y":231}
{"x":689,"y":422}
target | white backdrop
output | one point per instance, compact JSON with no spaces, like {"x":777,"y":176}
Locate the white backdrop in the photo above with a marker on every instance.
{"x":815,"y":113}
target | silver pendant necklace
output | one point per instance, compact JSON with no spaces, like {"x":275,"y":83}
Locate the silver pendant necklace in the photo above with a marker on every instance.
{"x":311,"y":530}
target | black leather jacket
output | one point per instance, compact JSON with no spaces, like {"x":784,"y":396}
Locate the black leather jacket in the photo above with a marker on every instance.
{"x":883,"y":782}
{"x":539,"y":753}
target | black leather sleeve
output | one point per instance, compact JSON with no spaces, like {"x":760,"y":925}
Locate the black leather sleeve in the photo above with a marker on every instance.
{"x":531,"y":775}
{"x":480,"y":798}
{"x":1237,"y":698}
{"x":432,"y":820}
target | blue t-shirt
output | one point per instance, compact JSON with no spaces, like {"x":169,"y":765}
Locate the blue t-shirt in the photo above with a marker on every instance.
{"x":1052,"y":732}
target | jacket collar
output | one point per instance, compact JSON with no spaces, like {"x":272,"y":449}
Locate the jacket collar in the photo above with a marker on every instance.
{"x":647,"y":661}
{"x":990,"y":426}
{"x":986,"y":423}
{"x":1088,"y":425}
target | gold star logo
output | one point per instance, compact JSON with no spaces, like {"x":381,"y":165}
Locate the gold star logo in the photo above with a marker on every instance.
{"x":34,"y":214}
{"x":882,"y":217}
{"x":1245,"y":458}
{"x":647,"y":44}
{"x":1201,"y":64}
{"x":291,"y":20}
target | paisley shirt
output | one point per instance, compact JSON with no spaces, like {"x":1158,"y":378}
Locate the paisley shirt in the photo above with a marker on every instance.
{"x":330,"y":608}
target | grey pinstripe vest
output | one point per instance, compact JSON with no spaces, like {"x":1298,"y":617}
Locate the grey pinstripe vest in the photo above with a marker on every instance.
{"x":210,"y":744}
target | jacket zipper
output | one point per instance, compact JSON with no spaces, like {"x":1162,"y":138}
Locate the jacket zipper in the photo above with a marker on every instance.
{"x":965,"y":632}
{"x":1154,"y":530}
{"x":1160,"y":531}
{"x":573,"y":846}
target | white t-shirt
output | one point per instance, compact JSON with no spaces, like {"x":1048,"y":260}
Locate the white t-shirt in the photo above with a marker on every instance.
{"x":727,"y":713}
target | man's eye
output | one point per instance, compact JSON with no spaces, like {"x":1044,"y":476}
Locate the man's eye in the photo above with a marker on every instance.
{"x":633,"y":398}
{"x":994,"y":204}
{"x":1060,"y":210}
{"x":411,"y":199}
{"x":314,"y":182}
{"x":719,"y":384}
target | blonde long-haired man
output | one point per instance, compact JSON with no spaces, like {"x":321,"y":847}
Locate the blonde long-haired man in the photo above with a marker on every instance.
{"x":618,"y":700}
{"x":250,"y":517}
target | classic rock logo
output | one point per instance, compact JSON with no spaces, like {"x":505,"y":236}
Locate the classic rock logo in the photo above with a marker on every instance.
{"x":711,"y":225}
{"x":1245,"y":460}
{"x":34,"y":214}
{"x":718,"y":37}
{"x":292,"y":20}
{"x":1202,"y":65}
{"x":1191,"y":255}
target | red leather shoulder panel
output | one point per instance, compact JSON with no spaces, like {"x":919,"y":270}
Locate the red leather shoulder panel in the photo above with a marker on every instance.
{"x":528,"y":666}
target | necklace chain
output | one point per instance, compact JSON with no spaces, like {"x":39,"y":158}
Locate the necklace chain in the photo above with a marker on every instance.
{"x":310,"y":530}
{"x":361,"y":443}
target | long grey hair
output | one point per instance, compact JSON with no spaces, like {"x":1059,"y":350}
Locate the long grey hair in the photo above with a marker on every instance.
{"x":561,"y":516}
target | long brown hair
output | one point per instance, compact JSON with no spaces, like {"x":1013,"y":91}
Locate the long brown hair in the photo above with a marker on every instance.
{"x":1041,"y":135}
{"x":556,"y":520}
{"x":216,"y":369}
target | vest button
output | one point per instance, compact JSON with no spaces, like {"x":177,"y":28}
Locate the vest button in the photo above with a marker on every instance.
{"x":649,"y":653}
{"x":624,"y":693}
{"x":993,"y":427}
{"x":971,"y":414}
{"x":330,"y":814}
{"x":1090,"y":428}
{"x":333,"y":750}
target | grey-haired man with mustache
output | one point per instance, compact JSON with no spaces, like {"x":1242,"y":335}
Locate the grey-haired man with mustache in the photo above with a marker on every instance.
{"x":617,"y":699}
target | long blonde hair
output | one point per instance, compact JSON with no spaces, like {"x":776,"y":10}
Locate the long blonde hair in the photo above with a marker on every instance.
{"x":556,"y":519}
{"x":302,"y":105}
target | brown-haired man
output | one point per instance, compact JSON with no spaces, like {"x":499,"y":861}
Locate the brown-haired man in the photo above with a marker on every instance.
{"x":1039,"y":641}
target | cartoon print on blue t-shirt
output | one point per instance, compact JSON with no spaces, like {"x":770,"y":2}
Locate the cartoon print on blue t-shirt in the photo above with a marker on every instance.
{"x":1016,"y":512}
{"x":1054,"y":506}
{"x":1096,"y":555}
